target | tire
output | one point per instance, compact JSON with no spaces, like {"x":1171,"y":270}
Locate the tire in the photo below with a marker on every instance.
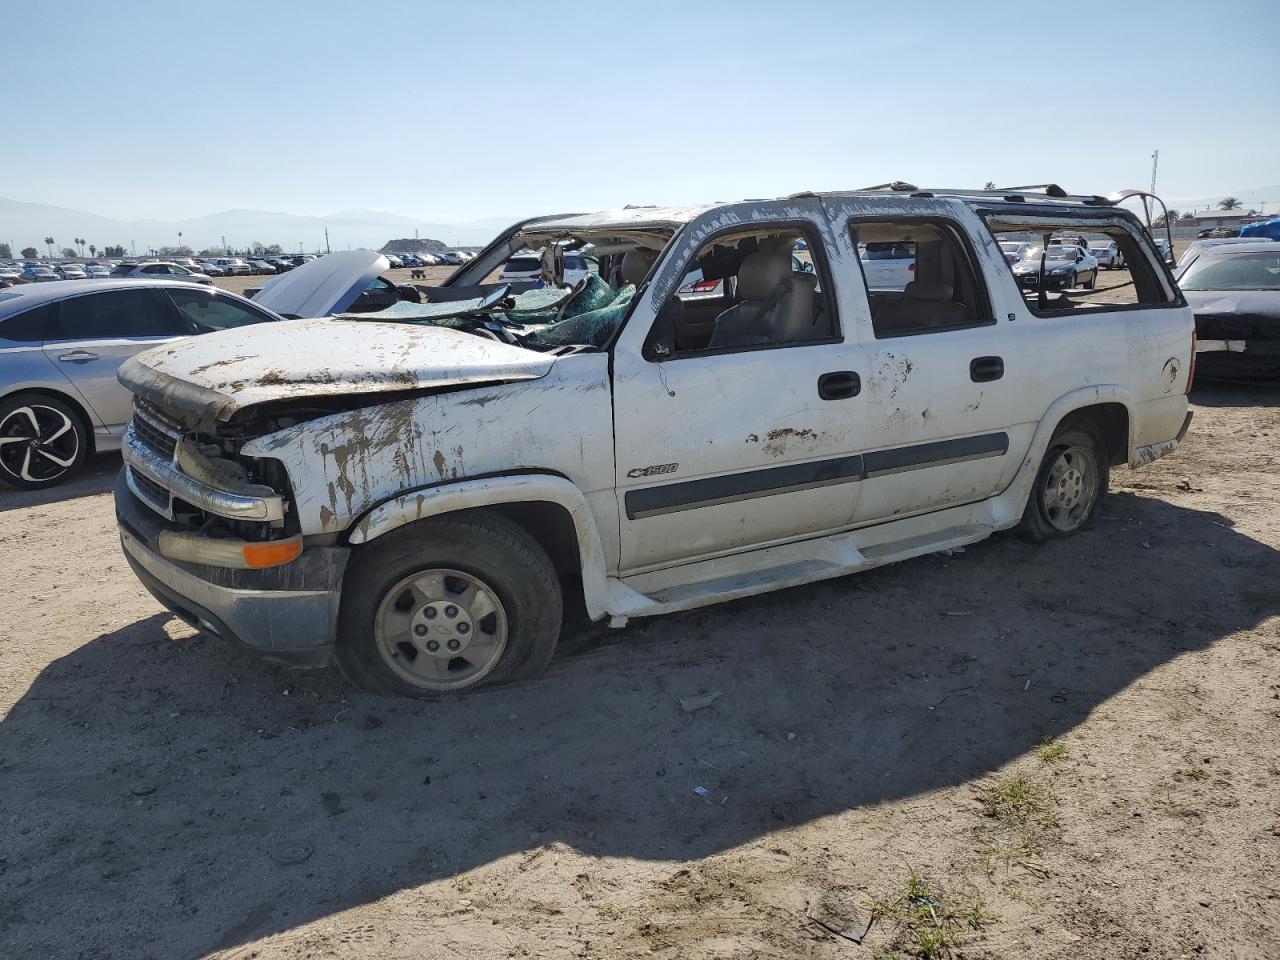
{"x":1070,"y":484}
{"x":1072,"y":281}
{"x":476,"y":584}
{"x":1093,"y":280}
{"x":43,"y":441}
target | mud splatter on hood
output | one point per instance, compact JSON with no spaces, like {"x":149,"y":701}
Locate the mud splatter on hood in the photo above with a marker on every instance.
{"x":217,"y":374}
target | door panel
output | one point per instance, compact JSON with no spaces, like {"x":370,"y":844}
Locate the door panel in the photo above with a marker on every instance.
{"x":89,"y":337}
{"x":720,"y":453}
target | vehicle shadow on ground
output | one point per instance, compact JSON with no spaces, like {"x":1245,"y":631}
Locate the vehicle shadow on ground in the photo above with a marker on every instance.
{"x":98,"y":476}
{"x":168,"y":798}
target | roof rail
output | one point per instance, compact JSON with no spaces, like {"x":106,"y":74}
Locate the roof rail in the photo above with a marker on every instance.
{"x":1020,"y":194}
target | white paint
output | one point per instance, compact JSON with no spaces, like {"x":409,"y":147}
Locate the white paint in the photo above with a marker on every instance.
{"x":326,"y":357}
{"x":579,"y":432}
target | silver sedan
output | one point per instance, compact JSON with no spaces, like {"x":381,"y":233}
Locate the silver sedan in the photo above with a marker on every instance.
{"x":60,"y":345}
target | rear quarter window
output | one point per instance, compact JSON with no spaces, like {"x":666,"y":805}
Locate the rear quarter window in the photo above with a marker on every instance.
{"x":26,"y":327}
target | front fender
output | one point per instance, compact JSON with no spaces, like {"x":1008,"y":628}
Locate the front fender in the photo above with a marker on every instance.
{"x":469,"y":494}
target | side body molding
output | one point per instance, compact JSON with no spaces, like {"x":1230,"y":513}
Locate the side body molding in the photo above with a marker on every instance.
{"x":469,"y":494}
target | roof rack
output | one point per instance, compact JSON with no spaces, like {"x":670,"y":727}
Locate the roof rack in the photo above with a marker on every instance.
{"x":1021,"y":194}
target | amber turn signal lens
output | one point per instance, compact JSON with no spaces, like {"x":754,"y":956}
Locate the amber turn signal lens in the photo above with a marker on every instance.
{"x":272,"y":554}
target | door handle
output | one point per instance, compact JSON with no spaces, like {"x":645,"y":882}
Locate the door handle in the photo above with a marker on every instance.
{"x":78,"y":356}
{"x":839,"y":385}
{"x":986,"y":369}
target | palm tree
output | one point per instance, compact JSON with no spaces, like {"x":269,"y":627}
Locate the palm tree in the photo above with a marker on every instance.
{"x":93,"y":251}
{"x":48,"y":242}
{"x":1229,"y":203}
{"x":989,"y":185}
{"x":1168,"y":218}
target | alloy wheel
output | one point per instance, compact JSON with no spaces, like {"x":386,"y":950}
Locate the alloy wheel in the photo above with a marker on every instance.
{"x":38,"y":443}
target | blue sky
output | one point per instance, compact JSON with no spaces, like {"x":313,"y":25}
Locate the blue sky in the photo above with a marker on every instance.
{"x":470,"y":110}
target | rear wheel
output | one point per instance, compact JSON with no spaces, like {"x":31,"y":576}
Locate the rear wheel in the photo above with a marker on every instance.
{"x":448,"y":604}
{"x":1070,"y":484}
{"x":43,"y":441}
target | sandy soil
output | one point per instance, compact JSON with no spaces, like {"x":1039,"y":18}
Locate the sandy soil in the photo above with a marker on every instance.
{"x":164,"y":796}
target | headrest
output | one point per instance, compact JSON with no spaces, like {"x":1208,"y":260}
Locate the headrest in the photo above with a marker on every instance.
{"x":934,"y":275}
{"x":761,"y":272}
{"x":636,"y":265}
{"x":932,"y":292}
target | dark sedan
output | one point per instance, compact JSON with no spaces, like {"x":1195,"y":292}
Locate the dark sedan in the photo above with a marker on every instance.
{"x":1235,"y":293}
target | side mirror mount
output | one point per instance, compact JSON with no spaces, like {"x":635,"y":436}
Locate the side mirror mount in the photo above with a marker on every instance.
{"x":660,"y":344}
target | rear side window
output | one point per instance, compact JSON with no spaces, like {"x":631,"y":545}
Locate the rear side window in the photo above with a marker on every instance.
{"x":206,"y":311}
{"x":25,"y":327}
{"x":117,"y":314}
{"x":920,"y":277}
{"x":1080,"y":282}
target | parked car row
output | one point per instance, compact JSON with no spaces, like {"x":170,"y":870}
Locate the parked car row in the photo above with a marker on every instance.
{"x":447,"y":258}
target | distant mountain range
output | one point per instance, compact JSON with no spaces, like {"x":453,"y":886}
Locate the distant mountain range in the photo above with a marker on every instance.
{"x":27,"y":224}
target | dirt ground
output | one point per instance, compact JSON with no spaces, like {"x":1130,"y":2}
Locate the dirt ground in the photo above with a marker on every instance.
{"x":165,"y":796}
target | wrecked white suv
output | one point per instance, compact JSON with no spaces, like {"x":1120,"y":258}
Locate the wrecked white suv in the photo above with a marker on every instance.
{"x":419,"y":493}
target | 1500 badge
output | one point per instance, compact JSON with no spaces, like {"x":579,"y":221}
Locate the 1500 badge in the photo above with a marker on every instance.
{"x":655,"y":471}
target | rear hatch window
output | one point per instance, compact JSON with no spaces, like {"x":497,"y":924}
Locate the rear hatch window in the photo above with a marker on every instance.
{"x":523,"y":264}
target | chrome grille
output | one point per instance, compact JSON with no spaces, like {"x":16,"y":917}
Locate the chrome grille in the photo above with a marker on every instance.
{"x":153,"y":494}
{"x":155,"y":431}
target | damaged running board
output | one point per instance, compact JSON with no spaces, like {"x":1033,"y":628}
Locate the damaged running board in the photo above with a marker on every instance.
{"x":775,"y":568}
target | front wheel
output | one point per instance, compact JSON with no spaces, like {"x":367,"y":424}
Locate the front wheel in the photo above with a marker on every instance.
{"x":43,"y":441}
{"x":1093,"y":280}
{"x":448,"y":604}
{"x":1070,"y":484}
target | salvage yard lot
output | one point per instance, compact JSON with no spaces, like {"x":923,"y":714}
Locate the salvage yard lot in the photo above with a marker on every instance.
{"x":1085,"y":735}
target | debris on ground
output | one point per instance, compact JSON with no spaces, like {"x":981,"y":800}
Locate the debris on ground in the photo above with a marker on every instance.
{"x":840,"y":917}
{"x":690,"y":704}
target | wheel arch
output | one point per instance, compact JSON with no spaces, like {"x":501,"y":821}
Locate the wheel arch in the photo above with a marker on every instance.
{"x":551,"y":508}
{"x":1109,"y":405}
{"x":77,"y":406}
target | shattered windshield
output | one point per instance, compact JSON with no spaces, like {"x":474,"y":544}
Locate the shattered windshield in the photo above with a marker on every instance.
{"x":506,"y":295}
{"x":541,"y":318}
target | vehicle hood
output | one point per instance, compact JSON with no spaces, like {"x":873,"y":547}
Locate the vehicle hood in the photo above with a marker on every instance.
{"x":322,"y":287}
{"x":1242,"y":303}
{"x":218,"y":374}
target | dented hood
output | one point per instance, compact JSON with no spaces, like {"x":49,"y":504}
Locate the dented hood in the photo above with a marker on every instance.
{"x":215,"y":375}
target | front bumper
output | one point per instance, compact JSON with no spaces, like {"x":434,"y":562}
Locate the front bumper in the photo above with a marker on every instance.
{"x":1032,"y":280}
{"x":286,"y":614}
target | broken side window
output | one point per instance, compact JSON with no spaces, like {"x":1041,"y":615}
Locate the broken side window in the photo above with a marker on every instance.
{"x":747,"y":290}
{"x":1059,"y":269}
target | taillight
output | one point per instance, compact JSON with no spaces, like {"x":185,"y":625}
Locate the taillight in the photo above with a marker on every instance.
{"x":1191,"y":367}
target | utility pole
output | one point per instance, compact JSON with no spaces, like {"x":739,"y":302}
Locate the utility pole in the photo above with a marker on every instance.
{"x":326,"y":240}
{"x":1155,"y":161}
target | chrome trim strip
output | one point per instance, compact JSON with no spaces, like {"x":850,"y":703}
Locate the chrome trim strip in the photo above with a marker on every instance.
{"x":219,"y":502}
